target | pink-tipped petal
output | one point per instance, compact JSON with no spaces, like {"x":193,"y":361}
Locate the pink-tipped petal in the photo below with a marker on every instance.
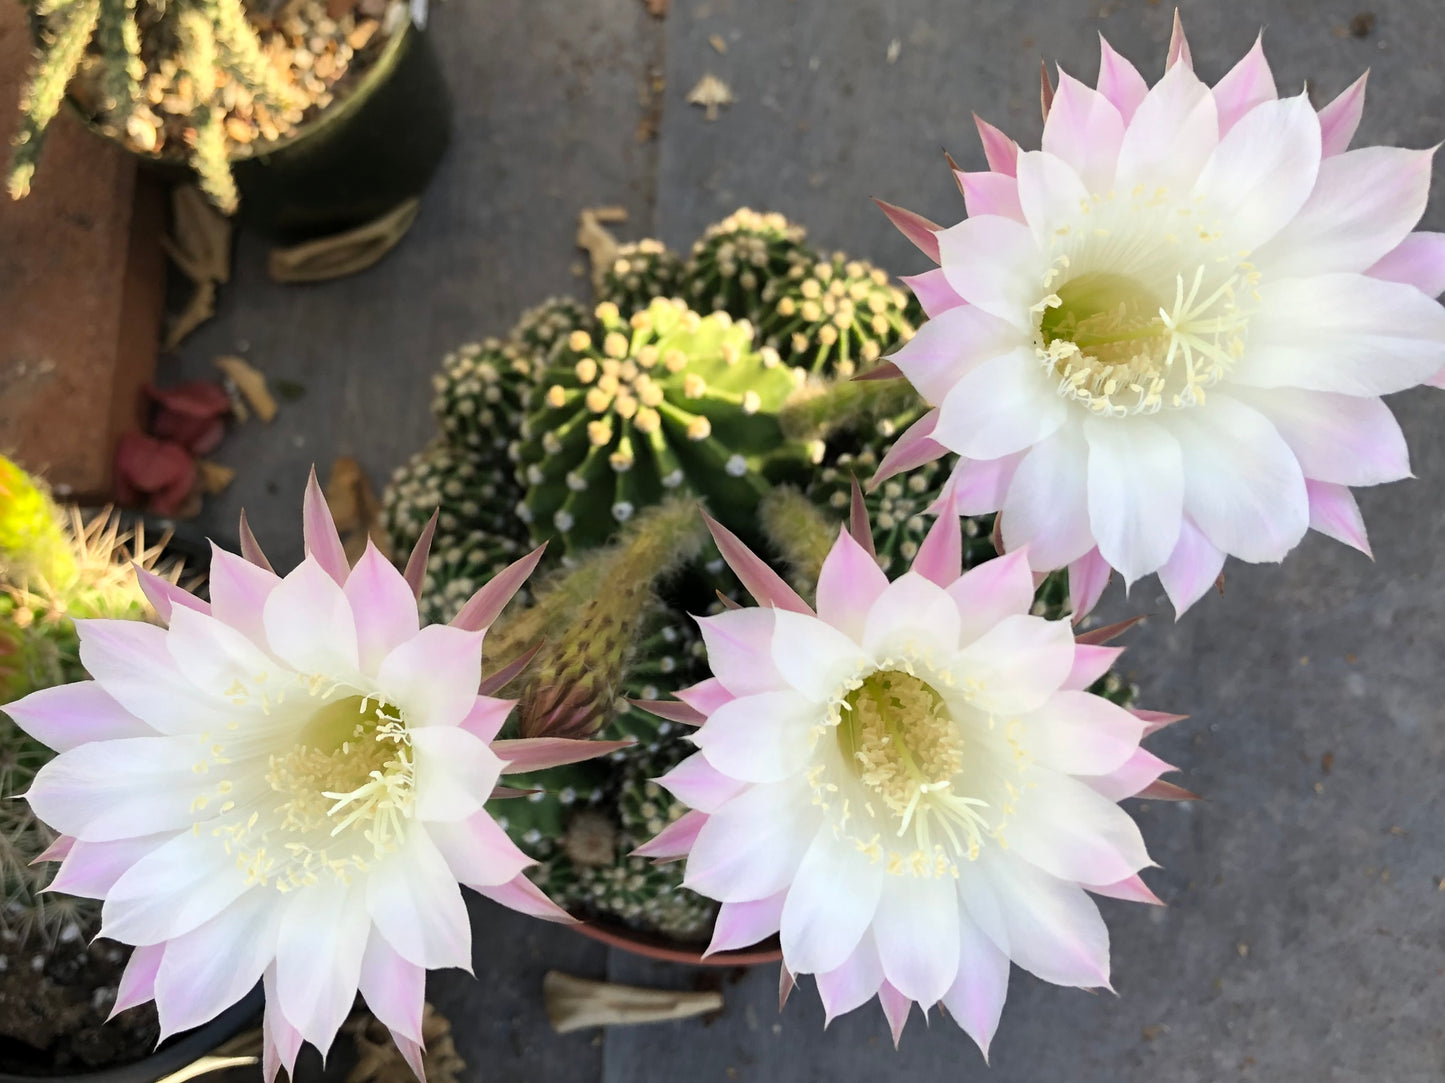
{"x":1084,"y":130}
{"x":394,"y":989}
{"x":1090,"y":663}
{"x":281,"y":1041}
{"x":526,"y":755}
{"x":138,"y":980}
{"x":1335,"y":514}
{"x":1133,"y":776}
{"x":764,"y":584}
{"x":163,"y":594}
{"x":700,"y":785}
{"x":707,"y":696}
{"x":90,"y":869}
{"x":1088,"y":576}
{"x":1341,"y":117}
{"x":70,"y":715}
{"x":933,"y":292}
{"x":239,"y":589}
{"x":478,"y":851}
{"x":1178,"y":46}
{"x":1247,"y":84}
{"x":977,"y":995}
{"x":999,"y":150}
{"x":415,"y":574}
{"x":940,"y":557}
{"x":251,"y":548}
{"x":1120,"y":81}
{"x":986,"y":595}
{"x":56,"y":851}
{"x":1418,"y":260}
{"x":987,"y":192}
{"x":919,"y":230}
{"x":676,"y":839}
{"x":413,"y":1053}
{"x":742,"y":924}
{"x":896,"y":1007}
{"x":911,"y":450}
{"x":383,"y":605}
{"x":848,"y":585}
{"x":1131,"y":889}
{"x":486,"y":605}
{"x":323,"y":542}
{"x":487,"y":716}
{"x":1191,"y":569}
{"x":525,"y":897}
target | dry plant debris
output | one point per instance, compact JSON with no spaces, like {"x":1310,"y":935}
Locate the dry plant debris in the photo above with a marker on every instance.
{"x":343,"y":253}
{"x":355,"y":507}
{"x":657,"y":8}
{"x":597,"y":240}
{"x":575,"y":1003}
{"x":379,"y":1061}
{"x":711,"y":93}
{"x":251,"y":384}
{"x":200,"y":246}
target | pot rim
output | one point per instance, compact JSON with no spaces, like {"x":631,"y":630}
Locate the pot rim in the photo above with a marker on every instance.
{"x":184,"y":1049}
{"x":652,"y":947}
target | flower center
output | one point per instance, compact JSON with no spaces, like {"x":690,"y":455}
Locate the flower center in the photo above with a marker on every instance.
{"x":902,"y":744}
{"x":335,"y":800}
{"x":1148,"y":314}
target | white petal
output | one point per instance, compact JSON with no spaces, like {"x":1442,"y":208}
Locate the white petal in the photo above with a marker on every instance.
{"x":1050,"y":193}
{"x":848,"y":584}
{"x":1342,"y":332}
{"x":395,"y":990}
{"x":120,"y":789}
{"x":1136,"y":492}
{"x":478,"y":852}
{"x":132,"y":663}
{"x":1084,"y":129}
{"x":912,"y":614}
{"x":433,"y":676}
{"x":383,"y":605}
{"x":830,"y":904}
{"x":977,"y":995}
{"x":455,"y":773}
{"x":309,"y":624}
{"x":208,"y":969}
{"x":1053,"y":928}
{"x":1018,"y":664}
{"x":172,"y":890}
{"x":415,"y":902}
{"x":1262,"y":171}
{"x":1364,"y":204}
{"x":994,"y":263}
{"x":1191,"y":569}
{"x":1005,"y":405}
{"x":1345,"y":439}
{"x":319,"y":947}
{"x":1047,"y":504}
{"x":813,"y":657}
{"x":762,"y":738}
{"x":216,"y":657}
{"x":75,"y":714}
{"x":1173,"y":133}
{"x":1243,"y":486}
{"x":916,"y":930}
{"x":854,"y":983}
{"x":987,"y":594}
{"x":949,"y":346}
{"x":239,"y":590}
{"x":750,"y":848}
{"x":1068,"y":830}
{"x":739,"y":650}
{"x":1082,"y":734}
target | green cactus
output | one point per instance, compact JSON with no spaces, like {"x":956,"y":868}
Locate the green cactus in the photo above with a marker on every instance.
{"x":543,"y":330}
{"x":478,"y":533}
{"x":482,"y":393}
{"x":666,"y":401}
{"x":835,"y":316}
{"x":640,"y":272}
{"x":735,"y":260}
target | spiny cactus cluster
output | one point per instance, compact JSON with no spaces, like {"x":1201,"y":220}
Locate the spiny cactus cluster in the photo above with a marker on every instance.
{"x":196,"y":79}
{"x":55,"y":567}
{"x":724,"y":379}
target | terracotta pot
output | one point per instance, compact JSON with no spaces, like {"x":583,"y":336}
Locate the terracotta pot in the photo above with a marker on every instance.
{"x":174,"y":1055}
{"x":670,"y":951}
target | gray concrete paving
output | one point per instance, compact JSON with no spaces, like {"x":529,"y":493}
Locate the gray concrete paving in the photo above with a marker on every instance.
{"x":1305,"y":933}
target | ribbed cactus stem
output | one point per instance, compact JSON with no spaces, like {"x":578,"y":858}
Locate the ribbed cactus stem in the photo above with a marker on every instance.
{"x":801,"y":532}
{"x":242,"y":49}
{"x":818,"y":410}
{"x":55,"y":65}
{"x":118,"y":39}
{"x":35,"y":551}
{"x":591,"y":619}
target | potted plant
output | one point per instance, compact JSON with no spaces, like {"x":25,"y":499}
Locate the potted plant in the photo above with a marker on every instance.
{"x":726,"y":377}
{"x":274,"y":105}
{"x":58,"y":985}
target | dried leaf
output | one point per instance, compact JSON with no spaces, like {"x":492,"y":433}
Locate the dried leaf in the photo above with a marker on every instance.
{"x":379,"y":1061}
{"x":251,"y":383}
{"x":355,"y":508}
{"x":200,"y":308}
{"x":598,"y":241}
{"x":215,"y":478}
{"x":200,"y":239}
{"x":657,"y":8}
{"x":344,"y":253}
{"x":710,"y":93}
{"x":719,"y":43}
{"x":575,"y":1004}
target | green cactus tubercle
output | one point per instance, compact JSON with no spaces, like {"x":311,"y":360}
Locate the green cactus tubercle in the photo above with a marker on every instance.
{"x":736,"y":259}
{"x":666,"y":401}
{"x":641,"y":271}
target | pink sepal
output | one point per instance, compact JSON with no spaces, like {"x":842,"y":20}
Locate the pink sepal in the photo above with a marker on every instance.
{"x":486,"y":605}
{"x":676,"y":839}
{"x":915,"y":227}
{"x":764,"y":584}
{"x":323,"y":542}
{"x":528,"y":754}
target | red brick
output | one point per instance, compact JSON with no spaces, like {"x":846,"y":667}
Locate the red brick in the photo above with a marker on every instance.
{"x":82,"y":280}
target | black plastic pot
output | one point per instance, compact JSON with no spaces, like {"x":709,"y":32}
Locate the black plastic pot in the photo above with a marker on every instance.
{"x":363,"y":156}
{"x":171,"y":1057}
